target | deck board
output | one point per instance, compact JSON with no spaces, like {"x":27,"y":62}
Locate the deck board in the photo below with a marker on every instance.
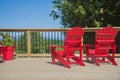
{"x":42,"y":69}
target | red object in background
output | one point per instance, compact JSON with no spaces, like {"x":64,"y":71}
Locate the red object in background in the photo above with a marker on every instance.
{"x":7,"y":52}
{"x":0,"y":51}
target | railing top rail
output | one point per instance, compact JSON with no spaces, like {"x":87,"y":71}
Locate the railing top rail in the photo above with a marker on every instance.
{"x":33,"y":29}
{"x":48,"y":29}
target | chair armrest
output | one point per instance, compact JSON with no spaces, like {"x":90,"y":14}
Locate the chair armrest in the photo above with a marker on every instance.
{"x":52,"y":46}
{"x":55,"y":47}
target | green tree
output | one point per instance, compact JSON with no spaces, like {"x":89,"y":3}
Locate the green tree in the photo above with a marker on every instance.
{"x":87,"y":13}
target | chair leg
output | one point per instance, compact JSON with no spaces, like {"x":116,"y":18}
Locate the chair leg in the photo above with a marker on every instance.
{"x":87,"y":53}
{"x":87,"y":58}
{"x":79,"y":61}
{"x":81,"y":57}
{"x":64,"y":62}
{"x":53,"y":60}
{"x":103,"y":58}
{"x":95,"y":59}
{"x":68,"y":60}
{"x":112,"y":59}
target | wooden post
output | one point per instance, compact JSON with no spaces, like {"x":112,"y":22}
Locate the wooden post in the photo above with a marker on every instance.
{"x":29,"y":43}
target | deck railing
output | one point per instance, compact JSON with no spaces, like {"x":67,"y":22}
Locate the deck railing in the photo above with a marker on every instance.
{"x":35,"y":42}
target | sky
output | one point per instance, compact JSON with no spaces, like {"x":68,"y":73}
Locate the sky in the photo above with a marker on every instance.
{"x":27,"y":14}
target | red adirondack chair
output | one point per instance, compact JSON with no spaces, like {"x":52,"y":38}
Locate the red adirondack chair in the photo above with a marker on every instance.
{"x":104,"y":45}
{"x":72,"y":43}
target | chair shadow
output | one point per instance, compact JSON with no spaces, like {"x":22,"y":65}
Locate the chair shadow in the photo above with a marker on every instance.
{"x":57,"y":63}
{"x":90,"y":61}
{"x":1,"y":61}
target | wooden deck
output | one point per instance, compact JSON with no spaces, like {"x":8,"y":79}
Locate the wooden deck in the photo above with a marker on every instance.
{"x":42,"y":69}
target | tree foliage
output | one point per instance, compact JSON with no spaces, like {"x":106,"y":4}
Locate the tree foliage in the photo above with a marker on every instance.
{"x":87,"y":13}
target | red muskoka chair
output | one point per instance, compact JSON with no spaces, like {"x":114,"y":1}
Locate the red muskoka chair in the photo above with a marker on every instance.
{"x":72,"y":43}
{"x":104,"y":44}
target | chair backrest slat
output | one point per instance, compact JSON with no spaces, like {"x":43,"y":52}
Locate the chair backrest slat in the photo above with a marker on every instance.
{"x":73,"y":37}
{"x":106,"y":36}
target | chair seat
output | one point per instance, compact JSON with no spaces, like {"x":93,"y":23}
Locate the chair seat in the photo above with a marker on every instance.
{"x":92,"y":51}
{"x":60,"y":53}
